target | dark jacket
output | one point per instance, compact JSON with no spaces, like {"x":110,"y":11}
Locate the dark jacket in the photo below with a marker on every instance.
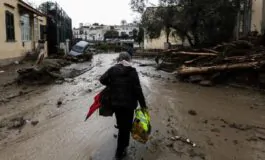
{"x":125,"y":86}
{"x":130,"y":51}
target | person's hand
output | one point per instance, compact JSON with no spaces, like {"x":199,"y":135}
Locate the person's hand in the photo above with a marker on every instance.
{"x":144,"y":109}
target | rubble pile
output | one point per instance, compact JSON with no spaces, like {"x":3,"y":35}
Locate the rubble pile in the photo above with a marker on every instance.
{"x":241,"y":61}
{"x":46,"y":72}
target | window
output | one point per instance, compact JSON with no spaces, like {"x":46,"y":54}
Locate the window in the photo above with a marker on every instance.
{"x":25,"y":28}
{"x":42,"y":32}
{"x":36,"y":29}
{"x":10,"y":29}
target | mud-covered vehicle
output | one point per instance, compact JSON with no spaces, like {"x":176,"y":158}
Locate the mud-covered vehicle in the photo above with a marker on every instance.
{"x":82,"y":50}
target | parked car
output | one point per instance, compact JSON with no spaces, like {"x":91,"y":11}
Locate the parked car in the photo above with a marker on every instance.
{"x":81,"y":48}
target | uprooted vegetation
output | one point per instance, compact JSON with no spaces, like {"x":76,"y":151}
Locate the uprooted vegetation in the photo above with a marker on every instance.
{"x":241,"y":61}
{"x":49,"y":70}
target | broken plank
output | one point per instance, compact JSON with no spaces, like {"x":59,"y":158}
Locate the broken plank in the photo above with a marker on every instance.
{"x":194,"y":60}
{"x":200,"y":70}
{"x":195,"y":53}
{"x":210,"y":50}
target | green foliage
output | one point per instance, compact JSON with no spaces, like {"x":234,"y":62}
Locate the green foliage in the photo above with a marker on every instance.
{"x":140,"y":36}
{"x":47,"y":6}
{"x":124,"y":35}
{"x":135,"y":34}
{"x":202,"y":22}
{"x":138,"y":5}
{"x":111,"y":34}
{"x":123,"y":22}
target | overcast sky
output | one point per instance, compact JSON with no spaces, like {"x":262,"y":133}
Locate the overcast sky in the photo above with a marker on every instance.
{"x":101,"y":11}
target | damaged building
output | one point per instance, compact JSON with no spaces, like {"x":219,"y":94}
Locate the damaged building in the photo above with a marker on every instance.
{"x":59,"y":27}
{"x":22,"y":27}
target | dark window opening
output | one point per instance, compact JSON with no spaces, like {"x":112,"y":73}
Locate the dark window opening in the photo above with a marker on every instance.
{"x":10,"y":28}
{"x":42,"y":32}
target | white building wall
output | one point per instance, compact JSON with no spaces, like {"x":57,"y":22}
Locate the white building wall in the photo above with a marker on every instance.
{"x":96,"y":33}
{"x":159,"y":43}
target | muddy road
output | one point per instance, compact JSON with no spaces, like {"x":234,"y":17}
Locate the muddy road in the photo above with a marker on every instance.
{"x":225,"y":123}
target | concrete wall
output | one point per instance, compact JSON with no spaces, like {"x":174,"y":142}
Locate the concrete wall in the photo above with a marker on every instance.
{"x":257,"y":15}
{"x":159,"y":43}
{"x":10,"y":51}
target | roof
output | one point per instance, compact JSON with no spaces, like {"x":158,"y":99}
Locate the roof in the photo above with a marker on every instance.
{"x":82,"y":43}
{"x":29,"y":8}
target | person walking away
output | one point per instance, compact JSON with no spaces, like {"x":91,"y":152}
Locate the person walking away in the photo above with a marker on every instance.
{"x":130,"y":50}
{"x":126,"y":92}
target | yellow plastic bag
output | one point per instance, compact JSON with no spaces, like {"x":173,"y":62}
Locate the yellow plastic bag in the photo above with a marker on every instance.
{"x":141,"y":126}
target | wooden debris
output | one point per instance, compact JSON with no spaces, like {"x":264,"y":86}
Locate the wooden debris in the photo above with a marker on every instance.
{"x":242,"y":60}
{"x":201,"y":70}
{"x":210,"y":50}
{"x":195,"y":53}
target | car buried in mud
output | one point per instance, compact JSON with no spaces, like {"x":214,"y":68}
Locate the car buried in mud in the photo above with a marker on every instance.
{"x":82,"y":49}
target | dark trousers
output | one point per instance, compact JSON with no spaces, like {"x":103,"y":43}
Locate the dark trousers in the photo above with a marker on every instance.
{"x":124,"y":118}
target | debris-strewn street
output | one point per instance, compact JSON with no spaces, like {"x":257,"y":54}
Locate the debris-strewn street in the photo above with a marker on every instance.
{"x":188,"y":122}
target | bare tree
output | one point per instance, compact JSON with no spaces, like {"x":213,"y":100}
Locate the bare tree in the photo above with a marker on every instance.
{"x":123,"y":22}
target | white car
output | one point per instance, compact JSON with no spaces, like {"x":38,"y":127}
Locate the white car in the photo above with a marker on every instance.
{"x":81,"y":48}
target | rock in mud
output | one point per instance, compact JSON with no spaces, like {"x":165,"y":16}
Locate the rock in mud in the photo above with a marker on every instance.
{"x":192,"y":112}
{"x":252,"y":139}
{"x":2,"y":125}
{"x":210,"y":143}
{"x":194,"y":154}
{"x":69,"y":80}
{"x":45,"y":73}
{"x":205,"y":121}
{"x":216,"y":130}
{"x":17,"y":123}
{"x":196,"y":78}
{"x":34,"y":123}
{"x":59,"y":102}
{"x":174,"y":81}
{"x":206,"y":83}
{"x":240,"y":126}
{"x":3,"y":136}
{"x":59,"y":82}
{"x":235,"y":142}
{"x":16,"y":62}
{"x":170,"y":145}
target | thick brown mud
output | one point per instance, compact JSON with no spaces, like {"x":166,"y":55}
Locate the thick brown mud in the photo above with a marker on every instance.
{"x":225,"y":123}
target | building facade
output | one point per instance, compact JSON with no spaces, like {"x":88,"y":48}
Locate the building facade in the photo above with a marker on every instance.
{"x":59,"y":27}
{"x":22,"y":27}
{"x":258,"y":16}
{"x":126,"y":29}
{"x":97,"y":32}
{"x":160,"y":42}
